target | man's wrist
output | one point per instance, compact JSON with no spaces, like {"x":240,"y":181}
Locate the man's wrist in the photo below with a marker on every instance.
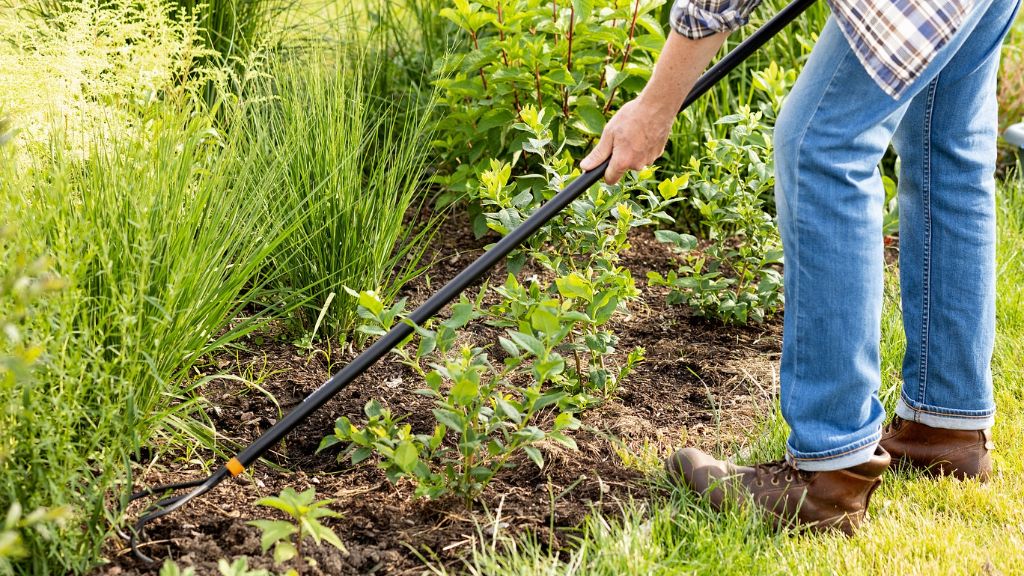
{"x":660,"y":106}
{"x":678,"y":67}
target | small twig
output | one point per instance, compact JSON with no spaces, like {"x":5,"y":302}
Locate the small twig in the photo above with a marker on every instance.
{"x":572,"y":27}
{"x":554,"y":17}
{"x":476,"y":45}
{"x":632,"y":34}
{"x":504,"y":57}
{"x":128,"y":549}
{"x":625,"y":54}
{"x":565,"y":89}
{"x":540,"y":97}
{"x":576,"y":356}
{"x":607,"y":59}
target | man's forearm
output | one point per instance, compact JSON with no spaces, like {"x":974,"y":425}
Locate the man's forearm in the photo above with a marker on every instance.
{"x":680,"y":64}
{"x":637,"y":134}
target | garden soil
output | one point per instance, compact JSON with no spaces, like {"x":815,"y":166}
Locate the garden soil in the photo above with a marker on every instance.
{"x":701,"y":384}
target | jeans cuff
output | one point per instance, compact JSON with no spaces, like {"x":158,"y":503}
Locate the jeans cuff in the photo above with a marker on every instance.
{"x":837,"y":459}
{"x":947,"y":418}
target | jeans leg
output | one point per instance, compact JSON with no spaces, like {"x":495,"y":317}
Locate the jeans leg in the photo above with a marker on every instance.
{"x":832,"y":131}
{"x":947,"y":148}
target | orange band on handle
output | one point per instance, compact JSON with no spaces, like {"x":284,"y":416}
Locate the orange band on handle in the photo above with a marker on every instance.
{"x":235,"y":467}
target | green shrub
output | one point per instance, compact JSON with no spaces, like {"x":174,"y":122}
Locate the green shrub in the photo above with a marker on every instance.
{"x":572,"y":61}
{"x":514,"y":53}
{"x":789,"y":49}
{"x":733,"y":275}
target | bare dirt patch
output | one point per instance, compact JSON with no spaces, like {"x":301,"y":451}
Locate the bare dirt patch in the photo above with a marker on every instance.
{"x":702,"y":383}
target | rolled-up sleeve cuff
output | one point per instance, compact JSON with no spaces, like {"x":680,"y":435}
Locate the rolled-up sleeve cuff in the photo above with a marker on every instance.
{"x":702,"y":18}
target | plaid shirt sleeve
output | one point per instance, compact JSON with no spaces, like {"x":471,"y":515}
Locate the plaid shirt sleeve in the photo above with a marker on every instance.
{"x":701,"y":18}
{"x":895,"y":40}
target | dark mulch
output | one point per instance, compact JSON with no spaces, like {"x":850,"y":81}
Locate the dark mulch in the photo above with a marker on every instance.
{"x":702,"y":383}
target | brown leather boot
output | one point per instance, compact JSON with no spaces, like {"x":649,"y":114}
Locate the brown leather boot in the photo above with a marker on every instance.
{"x":939,"y":451}
{"x":817,"y":500}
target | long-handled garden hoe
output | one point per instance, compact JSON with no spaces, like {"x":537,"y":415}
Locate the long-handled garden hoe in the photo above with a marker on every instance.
{"x":435,"y":303}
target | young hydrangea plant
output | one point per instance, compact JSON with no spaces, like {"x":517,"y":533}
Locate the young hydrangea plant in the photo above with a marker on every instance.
{"x":482,"y":418}
{"x":581,"y":247}
{"x":566,"y":321}
{"x":305,"y":512}
{"x":734,"y":275}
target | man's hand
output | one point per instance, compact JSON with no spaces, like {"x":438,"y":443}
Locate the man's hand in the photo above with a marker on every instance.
{"x":636,"y":136}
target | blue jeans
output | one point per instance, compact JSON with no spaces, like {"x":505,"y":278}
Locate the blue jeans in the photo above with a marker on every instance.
{"x":831,"y":134}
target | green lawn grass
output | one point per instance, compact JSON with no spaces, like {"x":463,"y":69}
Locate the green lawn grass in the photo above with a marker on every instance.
{"x":917,"y":525}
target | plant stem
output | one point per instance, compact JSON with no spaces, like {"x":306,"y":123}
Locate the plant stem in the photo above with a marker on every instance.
{"x":504,"y":57}
{"x":554,"y":17}
{"x":625,"y":53}
{"x":536,"y":76}
{"x":579,"y":365}
{"x":607,"y":59}
{"x":632,"y":34}
{"x":740,"y":283}
{"x":476,"y":45}
{"x":572,"y":26}
{"x":466,"y":479}
{"x":565,"y":89}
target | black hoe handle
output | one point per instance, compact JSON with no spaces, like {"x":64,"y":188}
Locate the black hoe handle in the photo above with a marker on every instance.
{"x":496,"y":254}
{"x":452,"y":289}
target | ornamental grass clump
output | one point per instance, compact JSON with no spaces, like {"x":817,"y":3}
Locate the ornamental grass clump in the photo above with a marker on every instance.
{"x":158,"y":244}
{"x":232,"y":28}
{"x":352,"y":164}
